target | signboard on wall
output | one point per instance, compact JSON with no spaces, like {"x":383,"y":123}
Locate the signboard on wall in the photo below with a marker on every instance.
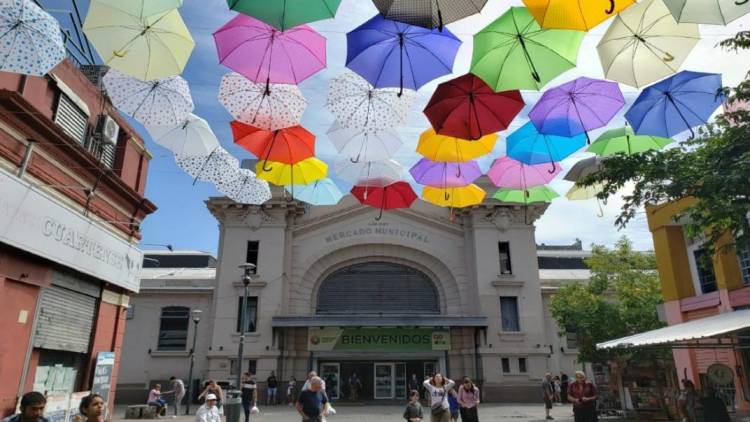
{"x":56,"y":409}
{"x":75,"y":404}
{"x":378,"y":339}
{"x":105,"y":362}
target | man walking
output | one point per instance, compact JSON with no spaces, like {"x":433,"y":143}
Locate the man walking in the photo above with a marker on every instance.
{"x":311,"y":403}
{"x":32,"y":409}
{"x":354,"y":385}
{"x":272,"y":388}
{"x":414,"y":384}
{"x":548,"y":392}
{"x":178,"y":387}
{"x":583,"y":396}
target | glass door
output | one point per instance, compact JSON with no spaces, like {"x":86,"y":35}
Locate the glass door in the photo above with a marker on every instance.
{"x":400,"y":380}
{"x":429,"y":369}
{"x":384,"y":380}
{"x":331,"y":374}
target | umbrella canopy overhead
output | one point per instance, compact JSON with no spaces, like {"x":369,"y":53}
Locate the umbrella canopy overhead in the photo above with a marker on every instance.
{"x":514,"y":52}
{"x":393,"y":196}
{"x":364,"y":144}
{"x":625,"y":141}
{"x":584,"y":193}
{"x":160,"y":102}
{"x":674,"y":105}
{"x":369,"y":173}
{"x":710,"y":12}
{"x":320,"y":192}
{"x":267,"y":106}
{"x":447,"y":148}
{"x":286,"y":14}
{"x":509,"y":173}
{"x":537,"y":194}
{"x":262,"y":54}
{"x":583,"y":168}
{"x":301,"y":173}
{"x":356,"y":104}
{"x":143,"y":8}
{"x":147,"y":48}
{"x":429,"y":14}
{"x":289,"y":145}
{"x":392,"y":54}
{"x":580,"y":15}
{"x":445,"y":175}
{"x":466,"y":107}
{"x":246,"y":188}
{"x":645,"y":44}
{"x":30,"y":39}
{"x":458,"y":197}
{"x":192,"y":137}
{"x":531,"y":147}
{"x":218,"y":167}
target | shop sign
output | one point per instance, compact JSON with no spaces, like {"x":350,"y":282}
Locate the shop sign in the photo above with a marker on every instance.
{"x":56,"y":409}
{"x":36,"y":223}
{"x":75,"y":404}
{"x":378,"y":339}
{"x":105,"y":362}
{"x":378,"y":229}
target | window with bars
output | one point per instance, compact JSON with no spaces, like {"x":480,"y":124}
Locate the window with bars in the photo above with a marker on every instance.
{"x":71,"y":119}
{"x":744,"y":257}
{"x":509,"y":313}
{"x":103,"y":151}
{"x":522,"y":365}
{"x":173,"y":330}
{"x":705,"y":269}
{"x":250,"y":316}
{"x":253,"y":249}
{"x":504,"y":256}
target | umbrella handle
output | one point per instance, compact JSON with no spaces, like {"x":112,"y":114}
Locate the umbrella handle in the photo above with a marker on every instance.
{"x":265,"y":162}
{"x":611,"y":7}
{"x":380,"y":216}
{"x":354,"y":160}
{"x":668,"y":57}
{"x":447,"y":196}
{"x":554,"y":168}
{"x":526,"y":214}
{"x":740,"y":3}
{"x":440,"y":19}
{"x":599,"y":214}
{"x":401,"y":41}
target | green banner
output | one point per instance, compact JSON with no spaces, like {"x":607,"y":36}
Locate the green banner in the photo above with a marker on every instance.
{"x":378,"y":339}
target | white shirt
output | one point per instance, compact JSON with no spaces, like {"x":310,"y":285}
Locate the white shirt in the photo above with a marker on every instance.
{"x":204,"y":414}
{"x":439,"y":395}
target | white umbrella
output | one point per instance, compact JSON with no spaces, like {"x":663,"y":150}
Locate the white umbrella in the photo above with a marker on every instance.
{"x":364,"y":144}
{"x":266,"y":106}
{"x":193,"y":136}
{"x":30,"y":38}
{"x":356,"y":104}
{"x":369,"y":173}
{"x":245,"y":188}
{"x":160,"y":102}
{"x":218,"y":167}
{"x":711,"y":12}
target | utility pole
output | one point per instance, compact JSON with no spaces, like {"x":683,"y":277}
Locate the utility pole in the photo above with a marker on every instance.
{"x":196,"y":319}
{"x":246,"y":278}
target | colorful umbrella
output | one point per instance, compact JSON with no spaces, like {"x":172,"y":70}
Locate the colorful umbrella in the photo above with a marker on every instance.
{"x":710,"y":12}
{"x":584,"y":193}
{"x":369,"y":173}
{"x":320,"y":192}
{"x":392,"y":54}
{"x":192,"y":137}
{"x":583,"y":168}
{"x":364,"y":144}
{"x":447,"y":148}
{"x":578,"y":15}
{"x":262,"y":54}
{"x":624,"y":140}
{"x":514,"y":52}
{"x":301,"y":173}
{"x":528,"y":196}
{"x":218,"y":167}
{"x":428,"y":14}
{"x":246,"y":188}
{"x":445,"y":175}
{"x":531,"y":147}
{"x":356,"y":104}
{"x":676,"y":104}
{"x":459,"y":197}
{"x":286,"y":14}
{"x":468,"y":108}
{"x":393,"y":196}
{"x":267,"y":106}
{"x":509,"y":173}
{"x":289,"y":145}
{"x":147,"y":48}
{"x":645,"y":44}
{"x":577,"y":107}
{"x":143,"y":8}
{"x":30,"y":39}
{"x":161,"y":102}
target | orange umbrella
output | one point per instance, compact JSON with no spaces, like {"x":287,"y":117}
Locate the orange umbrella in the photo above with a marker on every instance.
{"x":289,"y":145}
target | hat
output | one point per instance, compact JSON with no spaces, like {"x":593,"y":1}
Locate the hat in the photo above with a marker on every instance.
{"x":210,"y":397}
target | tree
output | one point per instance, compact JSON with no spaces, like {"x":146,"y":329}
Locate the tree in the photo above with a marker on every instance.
{"x":619,"y":300}
{"x":713,"y":169}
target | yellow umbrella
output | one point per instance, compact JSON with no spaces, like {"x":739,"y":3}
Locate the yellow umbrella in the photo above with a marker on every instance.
{"x":443,"y":148}
{"x":584,"y":193}
{"x":462,"y":197}
{"x":302,"y":173}
{"x":149,"y":47}
{"x":577,"y":15}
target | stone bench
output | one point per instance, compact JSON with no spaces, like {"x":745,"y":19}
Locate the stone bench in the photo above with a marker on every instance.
{"x":141,"y":411}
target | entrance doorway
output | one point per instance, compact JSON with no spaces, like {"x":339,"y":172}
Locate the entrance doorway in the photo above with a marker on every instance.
{"x":331,"y":373}
{"x":377,"y":380}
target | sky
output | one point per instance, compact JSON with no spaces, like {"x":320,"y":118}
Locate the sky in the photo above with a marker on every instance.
{"x":184,"y":222}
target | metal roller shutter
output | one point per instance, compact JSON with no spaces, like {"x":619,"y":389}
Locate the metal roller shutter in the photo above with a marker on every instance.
{"x":65,"y":320}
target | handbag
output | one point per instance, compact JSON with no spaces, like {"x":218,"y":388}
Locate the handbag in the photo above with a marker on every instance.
{"x":438,"y":410}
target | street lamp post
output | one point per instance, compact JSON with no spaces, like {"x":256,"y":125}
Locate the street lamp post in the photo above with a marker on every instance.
{"x":196,"y":319}
{"x":246,"y":277}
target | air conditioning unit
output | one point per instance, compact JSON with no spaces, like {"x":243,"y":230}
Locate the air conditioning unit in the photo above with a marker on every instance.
{"x":107,"y":129}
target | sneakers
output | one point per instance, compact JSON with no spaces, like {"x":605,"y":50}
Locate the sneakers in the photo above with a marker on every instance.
{"x":550,"y":418}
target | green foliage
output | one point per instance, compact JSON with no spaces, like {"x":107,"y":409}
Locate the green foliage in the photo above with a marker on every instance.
{"x":619,"y":300}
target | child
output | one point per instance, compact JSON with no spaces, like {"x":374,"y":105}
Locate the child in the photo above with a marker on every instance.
{"x":558,"y":389}
{"x":453,"y":401}
{"x":413,"y":412}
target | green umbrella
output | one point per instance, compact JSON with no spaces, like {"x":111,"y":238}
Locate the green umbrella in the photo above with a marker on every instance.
{"x":285,"y":14}
{"x":528,"y":196}
{"x":624,"y":140}
{"x":514,"y":52}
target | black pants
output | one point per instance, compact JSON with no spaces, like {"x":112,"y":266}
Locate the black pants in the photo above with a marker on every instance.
{"x":469,"y":414}
{"x":246,"y":406}
{"x":585,"y":414}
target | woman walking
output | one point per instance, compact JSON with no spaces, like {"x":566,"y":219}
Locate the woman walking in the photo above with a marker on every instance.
{"x":468,"y":400}
{"x":437,"y":388}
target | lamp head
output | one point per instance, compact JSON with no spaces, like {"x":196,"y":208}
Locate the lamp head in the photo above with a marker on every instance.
{"x":196,"y":315}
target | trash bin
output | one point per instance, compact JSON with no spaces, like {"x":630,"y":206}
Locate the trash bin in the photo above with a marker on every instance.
{"x":233,"y":406}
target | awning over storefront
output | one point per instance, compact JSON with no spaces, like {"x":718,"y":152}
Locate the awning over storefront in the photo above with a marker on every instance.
{"x":714,"y":327}
{"x":379,"y":321}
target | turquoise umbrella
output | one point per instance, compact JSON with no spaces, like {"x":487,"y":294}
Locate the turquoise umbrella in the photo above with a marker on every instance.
{"x":322,"y":192}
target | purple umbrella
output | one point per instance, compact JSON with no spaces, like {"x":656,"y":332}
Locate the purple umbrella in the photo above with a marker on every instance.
{"x":577,"y":107}
{"x":509,"y":173}
{"x":445,"y":175}
{"x":392,"y":54}
{"x":264,"y":54}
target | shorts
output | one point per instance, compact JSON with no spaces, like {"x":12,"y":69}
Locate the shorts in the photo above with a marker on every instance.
{"x":272,"y":391}
{"x":547,"y":403}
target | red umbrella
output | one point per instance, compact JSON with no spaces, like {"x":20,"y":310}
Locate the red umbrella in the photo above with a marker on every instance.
{"x":289,"y":145}
{"x":467,"y":108}
{"x":396,"y":195}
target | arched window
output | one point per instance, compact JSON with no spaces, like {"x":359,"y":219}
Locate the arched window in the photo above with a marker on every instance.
{"x":378,"y":288}
{"x":173,"y":330}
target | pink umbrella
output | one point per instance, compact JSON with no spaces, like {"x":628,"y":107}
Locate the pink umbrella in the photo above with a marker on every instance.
{"x":509,"y":173}
{"x":262,"y":53}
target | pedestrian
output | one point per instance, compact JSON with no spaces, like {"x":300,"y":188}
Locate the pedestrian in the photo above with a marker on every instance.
{"x":213,"y":388}
{"x":291,"y":389}
{"x":413,"y":411}
{"x":583,"y":395}
{"x":413,"y":384}
{"x":272,"y":387}
{"x":548,"y":393}
{"x":453,"y":403}
{"x":354,"y":386}
{"x":468,"y":400}
{"x":32,"y":408}
{"x":154,"y":399}
{"x":178,"y":387}
{"x":91,"y":409}
{"x":311,"y":403}
{"x":687,"y":401}
{"x":249,"y":392}
{"x":310,"y":376}
{"x":438,"y":387}
{"x":714,"y":408}
{"x":558,"y":389}
{"x":564,"y":383}
{"x":209,"y":411}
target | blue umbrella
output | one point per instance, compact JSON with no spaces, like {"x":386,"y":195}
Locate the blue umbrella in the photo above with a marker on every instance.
{"x":392,"y":54}
{"x":322,"y":192}
{"x":678,"y":103}
{"x":529,"y":146}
